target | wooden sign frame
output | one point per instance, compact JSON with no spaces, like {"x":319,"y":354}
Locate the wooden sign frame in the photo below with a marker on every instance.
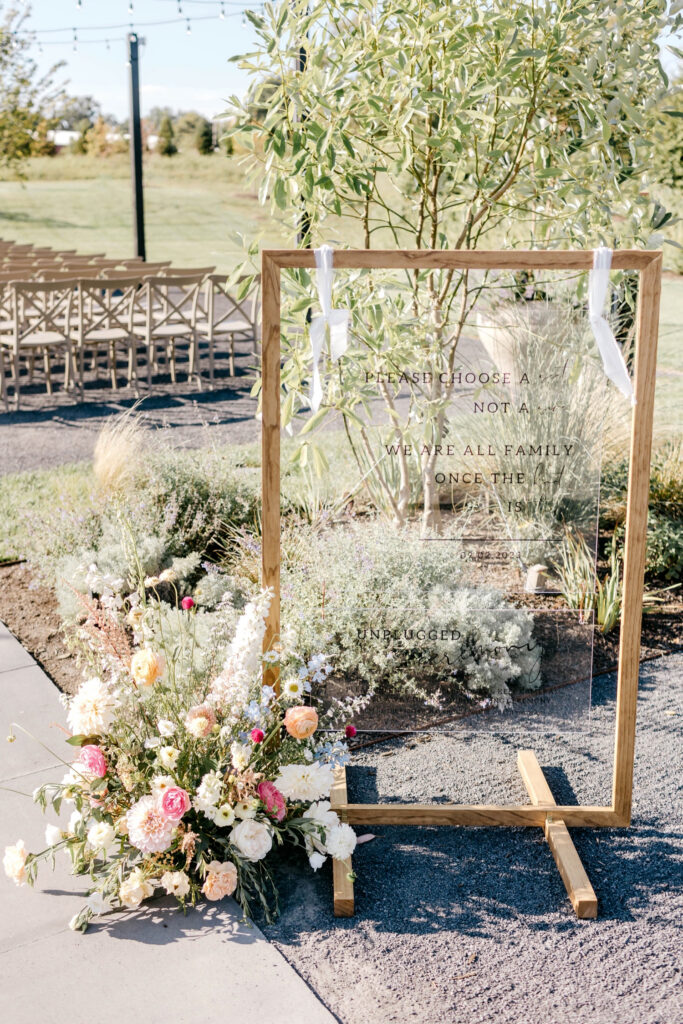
{"x":541,"y":811}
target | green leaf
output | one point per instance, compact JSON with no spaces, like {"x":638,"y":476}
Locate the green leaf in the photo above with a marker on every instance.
{"x":280,"y":194}
{"x":77,"y":741}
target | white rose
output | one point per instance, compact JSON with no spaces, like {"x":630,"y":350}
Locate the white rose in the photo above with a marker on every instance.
{"x":101,"y":836}
{"x":176,"y":883}
{"x":14,"y":862}
{"x":340,"y":841}
{"x":53,"y":835}
{"x":168,"y":756}
{"x":241,"y":755}
{"x":135,"y":889}
{"x":252,"y":838}
{"x":98,"y":903}
{"x":316,"y":860}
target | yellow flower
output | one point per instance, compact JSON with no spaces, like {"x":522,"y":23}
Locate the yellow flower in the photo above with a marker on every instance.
{"x":147,"y":667}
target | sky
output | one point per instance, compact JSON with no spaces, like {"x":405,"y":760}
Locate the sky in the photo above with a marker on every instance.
{"x":179,"y":70}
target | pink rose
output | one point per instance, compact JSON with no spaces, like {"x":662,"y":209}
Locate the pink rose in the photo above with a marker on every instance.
{"x":92,"y":762}
{"x":174,"y":803}
{"x":186,"y":604}
{"x":257,"y":735}
{"x":273,"y":799}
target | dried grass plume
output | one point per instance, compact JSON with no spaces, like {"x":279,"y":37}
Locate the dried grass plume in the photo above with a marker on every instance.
{"x":118,"y":452}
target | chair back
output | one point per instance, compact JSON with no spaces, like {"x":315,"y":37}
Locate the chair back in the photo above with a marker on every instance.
{"x":41,"y":311}
{"x":170,"y":301}
{"x":226,"y":315}
{"x":105,"y":304}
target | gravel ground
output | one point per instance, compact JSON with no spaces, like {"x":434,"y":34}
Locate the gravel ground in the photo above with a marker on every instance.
{"x":473,"y":925}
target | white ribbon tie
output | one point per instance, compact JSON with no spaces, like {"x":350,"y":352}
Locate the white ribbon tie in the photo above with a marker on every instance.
{"x":612,"y":358}
{"x":336,"y":319}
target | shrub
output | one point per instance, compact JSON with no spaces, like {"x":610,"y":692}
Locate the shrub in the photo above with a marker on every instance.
{"x":664,"y":559}
{"x":353,"y":583}
{"x":203,"y":138}
{"x":166,"y":145}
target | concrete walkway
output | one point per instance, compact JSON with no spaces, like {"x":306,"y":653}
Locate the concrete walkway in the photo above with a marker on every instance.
{"x":143,"y":965}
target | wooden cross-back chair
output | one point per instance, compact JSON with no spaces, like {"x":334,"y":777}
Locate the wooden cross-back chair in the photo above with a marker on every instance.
{"x":225,"y":316}
{"x":41,"y":320}
{"x":105,"y":319}
{"x":166,"y":311}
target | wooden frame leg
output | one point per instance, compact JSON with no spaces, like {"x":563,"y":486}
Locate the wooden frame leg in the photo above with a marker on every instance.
{"x":342,"y":871}
{"x":577,"y":884}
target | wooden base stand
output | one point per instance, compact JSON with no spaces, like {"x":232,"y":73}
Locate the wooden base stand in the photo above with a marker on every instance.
{"x":569,"y":865}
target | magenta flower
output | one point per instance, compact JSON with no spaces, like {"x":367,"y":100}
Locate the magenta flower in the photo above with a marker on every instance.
{"x":257,"y":735}
{"x":350,"y":731}
{"x":273,"y":799}
{"x":186,"y":604}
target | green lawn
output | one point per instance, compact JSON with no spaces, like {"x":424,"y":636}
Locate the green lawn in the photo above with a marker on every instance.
{"x":192,"y":206}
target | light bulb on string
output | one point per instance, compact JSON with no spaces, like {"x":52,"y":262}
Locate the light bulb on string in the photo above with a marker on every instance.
{"x":222,"y":12}
{"x":130,"y":7}
{"x":79,"y":3}
{"x":107,"y":42}
{"x":244,"y":21}
{"x":188,"y":30}
{"x":75,"y":41}
{"x":180,"y":9}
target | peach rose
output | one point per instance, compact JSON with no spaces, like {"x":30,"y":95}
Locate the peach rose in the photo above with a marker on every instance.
{"x":147,"y":667}
{"x":301,"y":722}
{"x":221,"y":880}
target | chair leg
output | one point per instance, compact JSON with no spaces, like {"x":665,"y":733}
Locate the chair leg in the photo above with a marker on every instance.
{"x":48,"y":375}
{"x":232,"y":355}
{"x":197,"y":362}
{"x":3,"y":383}
{"x":112,"y":365}
{"x":15,"y":372}
{"x":171,"y":350}
{"x":211,"y":361}
{"x":149,"y":366}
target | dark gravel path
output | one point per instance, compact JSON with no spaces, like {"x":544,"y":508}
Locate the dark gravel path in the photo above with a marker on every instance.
{"x":473,"y":925}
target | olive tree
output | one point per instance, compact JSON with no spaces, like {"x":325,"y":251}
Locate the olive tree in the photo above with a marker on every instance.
{"x":419,"y":124}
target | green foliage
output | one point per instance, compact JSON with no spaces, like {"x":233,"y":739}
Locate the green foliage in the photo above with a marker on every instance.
{"x":581,"y":587}
{"x":664,"y":560}
{"x":25,"y":95}
{"x":668,"y":154}
{"x":166,"y":145}
{"x":204,"y":137}
{"x":432,"y":126}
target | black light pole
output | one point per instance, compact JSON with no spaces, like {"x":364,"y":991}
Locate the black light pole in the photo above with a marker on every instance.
{"x":304,"y":233}
{"x":136,"y":145}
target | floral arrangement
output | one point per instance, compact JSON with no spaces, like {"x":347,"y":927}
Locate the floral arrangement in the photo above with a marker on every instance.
{"x":188,"y":773}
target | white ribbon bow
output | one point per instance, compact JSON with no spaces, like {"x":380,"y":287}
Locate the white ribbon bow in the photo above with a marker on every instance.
{"x":337,"y":319}
{"x":612,"y":358}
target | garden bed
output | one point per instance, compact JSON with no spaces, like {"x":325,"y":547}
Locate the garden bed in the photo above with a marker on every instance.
{"x":30,"y":611}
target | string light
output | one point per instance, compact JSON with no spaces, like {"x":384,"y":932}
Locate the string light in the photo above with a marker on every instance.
{"x":79,"y":3}
{"x":75,"y":40}
{"x":130,"y":7}
{"x":180,"y":9}
{"x":189,"y":28}
{"x":222,"y":12}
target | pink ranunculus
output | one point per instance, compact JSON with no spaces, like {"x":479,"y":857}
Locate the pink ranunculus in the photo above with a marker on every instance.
{"x":92,"y":762}
{"x":350,"y":731}
{"x":174,"y":803}
{"x":273,"y":799}
{"x":186,"y":604}
{"x":257,"y":735}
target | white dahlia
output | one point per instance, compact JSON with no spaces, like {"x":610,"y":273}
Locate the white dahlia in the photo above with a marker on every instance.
{"x":305,"y":782}
{"x":92,"y":709}
{"x":148,"y":829}
{"x":340,"y":841}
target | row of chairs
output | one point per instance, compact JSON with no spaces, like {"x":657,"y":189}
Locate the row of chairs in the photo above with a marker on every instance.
{"x":77,"y":311}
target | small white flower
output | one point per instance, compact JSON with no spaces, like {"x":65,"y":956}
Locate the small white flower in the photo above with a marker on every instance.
{"x":74,"y":923}
{"x":53,"y":835}
{"x":224,"y":816}
{"x":323,"y":814}
{"x":271,"y":657}
{"x":166,"y":727}
{"x":168,"y":756}
{"x":316,"y":860}
{"x":152,"y":742}
{"x":240,"y":754}
{"x":292,"y":687}
{"x":246,"y":808}
{"x":101,"y":836}
{"x":160,"y":783}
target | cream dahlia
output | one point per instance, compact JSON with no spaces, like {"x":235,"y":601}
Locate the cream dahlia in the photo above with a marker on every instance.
{"x":148,"y":828}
